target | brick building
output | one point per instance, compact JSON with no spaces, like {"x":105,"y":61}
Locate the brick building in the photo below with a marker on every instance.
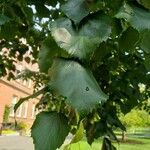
{"x":12,"y":91}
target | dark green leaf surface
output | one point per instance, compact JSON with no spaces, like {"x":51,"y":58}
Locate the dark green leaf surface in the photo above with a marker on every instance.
{"x":42,"y":11}
{"x":48,"y":51}
{"x":129,"y":39}
{"x":49,"y":130}
{"x":99,"y":26}
{"x":145,"y":3}
{"x":72,"y":9}
{"x":89,"y":36}
{"x":3,"y":19}
{"x":147,"y":62}
{"x":145,"y":42}
{"x":107,"y":145}
{"x":137,"y":17}
{"x":45,"y":55}
{"x":77,"y":84}
{"x":8,"y":31}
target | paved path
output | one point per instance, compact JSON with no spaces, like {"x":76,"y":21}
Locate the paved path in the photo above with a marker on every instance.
{"x":16,"y":143}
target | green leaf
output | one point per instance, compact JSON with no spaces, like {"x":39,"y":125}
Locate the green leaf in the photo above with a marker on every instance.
{"x":107,"y":144}
{"x":77,"y":84}
{"x":77,"y":137}
{"x":62,"y":30}
{"x":76,"y":10}
{"x":42,"y":11}
{"x":81,"y":46}
{"x":111,"y":134}
{"x":145,"y":41}
{"x":145,"y":3}
{"x":49,"y":130}
{"x":113,"y":5}
{"x":99,"y":27}
{"x":8,"y":30}
{"x":81,"y":43}
{"x":28,"y":12}
{"x":137,"y":17}
{"x":129,"y":39}
{"x":147,"y":62}
{"x":4,"y":19}
{"x":79,"y":134}
{"x":48,"y":51}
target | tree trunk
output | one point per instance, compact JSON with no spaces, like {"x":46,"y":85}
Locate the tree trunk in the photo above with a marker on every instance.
{"x":124,"y":137}
{"x":1,"y":128}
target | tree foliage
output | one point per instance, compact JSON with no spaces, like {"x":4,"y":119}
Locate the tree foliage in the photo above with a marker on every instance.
{"x":136,"y":118}
{"x":88,"y":49}
{"x":6,"y":114}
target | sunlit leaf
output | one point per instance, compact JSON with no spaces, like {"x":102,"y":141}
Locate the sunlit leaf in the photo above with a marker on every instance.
{"x":79,"y":134}
{"x":73,"y":7}
{"x":77,"y":84}
{"x":137,"y":17}
{"x":81,"y":43}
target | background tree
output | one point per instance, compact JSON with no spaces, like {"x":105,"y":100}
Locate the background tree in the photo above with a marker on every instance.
{"x":136,"y":118}
{"x":87,"y":48}
{"x":6,"y":114}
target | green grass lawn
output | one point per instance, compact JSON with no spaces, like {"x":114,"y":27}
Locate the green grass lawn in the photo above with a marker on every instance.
{"x":122,"y":146}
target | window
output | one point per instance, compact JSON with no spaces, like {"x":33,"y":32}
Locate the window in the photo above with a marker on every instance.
{"x":29,"y":83}
{"x":33,"y":111}
{"x":14,"y":101}
{"x":24,"y":82}
{"x":25,"y":105}
{"x":37,"y":111}
{"x":19,"y":68}
{"x":19,"y":111}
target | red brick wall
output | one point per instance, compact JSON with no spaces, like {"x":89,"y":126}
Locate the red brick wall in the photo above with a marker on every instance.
{"x":7,"y":91}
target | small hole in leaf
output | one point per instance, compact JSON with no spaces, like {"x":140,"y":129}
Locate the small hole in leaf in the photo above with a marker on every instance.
{"x":87,"y":89}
